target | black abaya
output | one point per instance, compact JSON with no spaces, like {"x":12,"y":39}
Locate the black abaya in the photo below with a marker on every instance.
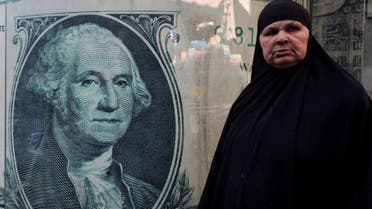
{"x":296,"y":138}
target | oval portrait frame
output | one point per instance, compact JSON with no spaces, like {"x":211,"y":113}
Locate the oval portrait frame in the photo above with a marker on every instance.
{"x":154,"y":139}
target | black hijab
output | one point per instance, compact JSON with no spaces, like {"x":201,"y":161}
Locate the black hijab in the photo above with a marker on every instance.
{"x":295,"y":138}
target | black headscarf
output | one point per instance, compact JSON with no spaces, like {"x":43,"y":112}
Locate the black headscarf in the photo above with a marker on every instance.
{"x":295,"y":138}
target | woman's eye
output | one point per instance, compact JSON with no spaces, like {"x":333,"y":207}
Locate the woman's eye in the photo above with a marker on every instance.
{"x":292,"y":28}
{"x":88,"y":82}
{"x":270,"y":32}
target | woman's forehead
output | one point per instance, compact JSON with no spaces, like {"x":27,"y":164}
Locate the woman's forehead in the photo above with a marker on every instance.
{"x":282,"y":23}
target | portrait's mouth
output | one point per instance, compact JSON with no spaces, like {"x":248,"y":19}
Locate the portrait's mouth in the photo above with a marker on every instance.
{"x":106,"y":120}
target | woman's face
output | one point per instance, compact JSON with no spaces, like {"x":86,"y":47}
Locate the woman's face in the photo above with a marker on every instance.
{"x":284,"y":43}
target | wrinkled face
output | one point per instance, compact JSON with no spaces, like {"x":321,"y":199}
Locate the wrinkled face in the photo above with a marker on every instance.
{"x":284,"y":43}
{"x":99,"y":94}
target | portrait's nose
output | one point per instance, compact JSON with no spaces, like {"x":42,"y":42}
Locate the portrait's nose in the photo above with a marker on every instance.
{"x":109,"y":100}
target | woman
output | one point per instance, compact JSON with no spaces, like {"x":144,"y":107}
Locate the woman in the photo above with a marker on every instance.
{"x":297,"y":137}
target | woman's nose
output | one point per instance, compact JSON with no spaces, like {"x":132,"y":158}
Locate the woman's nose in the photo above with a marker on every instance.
{"x":109,"y":100}
{"x":281,"y":37}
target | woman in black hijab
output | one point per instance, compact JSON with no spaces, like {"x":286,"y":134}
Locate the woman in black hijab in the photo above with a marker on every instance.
{"x":299,"y":135}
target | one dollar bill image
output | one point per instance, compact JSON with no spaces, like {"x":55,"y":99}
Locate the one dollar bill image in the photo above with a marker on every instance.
{"x":85,"y":90}
{"x":118,"y":103}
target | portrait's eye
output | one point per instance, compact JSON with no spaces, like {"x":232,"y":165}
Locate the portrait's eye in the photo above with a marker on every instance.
{"x":121,"y":82}
{"x":89,"y":82}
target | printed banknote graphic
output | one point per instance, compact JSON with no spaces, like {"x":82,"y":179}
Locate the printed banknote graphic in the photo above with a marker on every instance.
{"x":95,"y":117}
{"x":117,"y":103}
